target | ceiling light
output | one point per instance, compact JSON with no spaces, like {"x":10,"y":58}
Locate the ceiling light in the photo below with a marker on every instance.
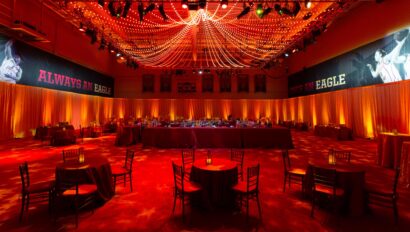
{"x":278,"y":9}
{"x":118,"y":54}
{"x":224,"y":4}
{"x":308,"y":4}
{"x":101,"y":3}
{"x":119,"y":11}
{"x":81,"y":28}
{"x":307,"y":16}
{"x":259,"y":10}
{"x":184,"y":4}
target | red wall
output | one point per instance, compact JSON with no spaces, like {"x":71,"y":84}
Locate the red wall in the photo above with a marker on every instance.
{"x":365,"y":23}
{"x":131,"y":86}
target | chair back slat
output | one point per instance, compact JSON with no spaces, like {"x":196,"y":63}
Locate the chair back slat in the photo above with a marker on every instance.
{"x":178,"y":176}
{"x":72,"y":155}
{"x":325,"y":177}
{"x":396,"y":180}
{"x":286,"y":160}
{"x":25,"y":178}
{"x":129,"y":158}
{"x":253,"y":178}
{"x":238,"y":155}
{"x":341,"y":154}
{"x":188,"y":157}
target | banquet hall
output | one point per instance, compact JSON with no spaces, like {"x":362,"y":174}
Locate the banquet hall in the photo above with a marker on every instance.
{"x":205,"y":115}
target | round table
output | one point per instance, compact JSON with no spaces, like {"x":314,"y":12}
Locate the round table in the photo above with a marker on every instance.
{"x":95,"y":169}
{"x":389,"y":149}
{"x":405,"y":164}
{"x":350,"y":177}
{"x":216,"y":180}
{"x":128,"y":135}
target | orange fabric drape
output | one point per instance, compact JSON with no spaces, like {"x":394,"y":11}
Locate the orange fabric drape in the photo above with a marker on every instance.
{"x":368,"y":110}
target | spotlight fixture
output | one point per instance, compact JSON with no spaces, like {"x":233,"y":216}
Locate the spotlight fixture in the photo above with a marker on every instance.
{"x":149,"y":8}
{"x":102,"y":44}
{"x":259,"y":10}
{"x":245,"y":11}
{"x":81,"y":28}
{"x":296,"y":9}
{"x":141,"y":11}
{"x":202,"y":4}
{"x":307,"y":16}
{"x":126,"y":8}
{"x":308,"y":4}
{"x":184,"y":4}
{"x":118,"y":54}
{"x":111,"y":8}
{"x":162,"y":12}
{"x":92,"y":33}
{"x":200,"y":72}
{"x":118,"y":11}
{"x":286,"y":54}
{"x":224,"y":4}
{"x":266,"y":11}
{"x":101,"y":3}
{"x":278,"y":9}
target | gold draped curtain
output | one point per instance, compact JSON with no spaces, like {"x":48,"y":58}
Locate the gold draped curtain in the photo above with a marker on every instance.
{"x":368,"y":110}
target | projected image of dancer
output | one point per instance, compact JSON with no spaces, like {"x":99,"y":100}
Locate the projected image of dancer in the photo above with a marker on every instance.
{"x":10,"y":70}
{"x":385,"y":67}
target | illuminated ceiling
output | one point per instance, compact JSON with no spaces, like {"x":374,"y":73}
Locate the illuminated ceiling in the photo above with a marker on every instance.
{"x":209,"y":37}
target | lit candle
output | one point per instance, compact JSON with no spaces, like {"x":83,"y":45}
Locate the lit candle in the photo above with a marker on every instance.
{"x":209,"y":158}
{"x":332,"y":159}
{"x":81,"y":158}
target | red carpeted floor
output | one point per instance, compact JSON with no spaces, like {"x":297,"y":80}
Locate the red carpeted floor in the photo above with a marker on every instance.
{"x":148,"y":207}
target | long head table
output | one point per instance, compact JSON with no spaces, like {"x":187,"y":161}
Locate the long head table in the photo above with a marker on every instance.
{"x":165,"y":137}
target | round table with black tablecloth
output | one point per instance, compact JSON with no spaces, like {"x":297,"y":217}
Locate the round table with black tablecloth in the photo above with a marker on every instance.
{"x":216,"y":180}
{"x":95,"y":169}
{"x":350,"y":177}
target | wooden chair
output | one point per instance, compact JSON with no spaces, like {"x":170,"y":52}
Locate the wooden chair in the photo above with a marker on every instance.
{"x":238,"y":156}
{"x":341,"y":155}
{"x":383,"y":197}
{"x":72,"y":155}
{"x":296,"y":175}
{"x":121,"y":172}
{"x":188,"y":159}
{"x":72,"y":188}
{"x":183,"y":189}
{"x":38,"y":192}
{"x":249,"y":190}
{"x":324,"y":184}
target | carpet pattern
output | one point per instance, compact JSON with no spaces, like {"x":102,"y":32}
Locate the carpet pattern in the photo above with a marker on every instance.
{"x":149,"y":206}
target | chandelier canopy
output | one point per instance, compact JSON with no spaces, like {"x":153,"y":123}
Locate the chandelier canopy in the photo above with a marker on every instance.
{"x":202,"y":34}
